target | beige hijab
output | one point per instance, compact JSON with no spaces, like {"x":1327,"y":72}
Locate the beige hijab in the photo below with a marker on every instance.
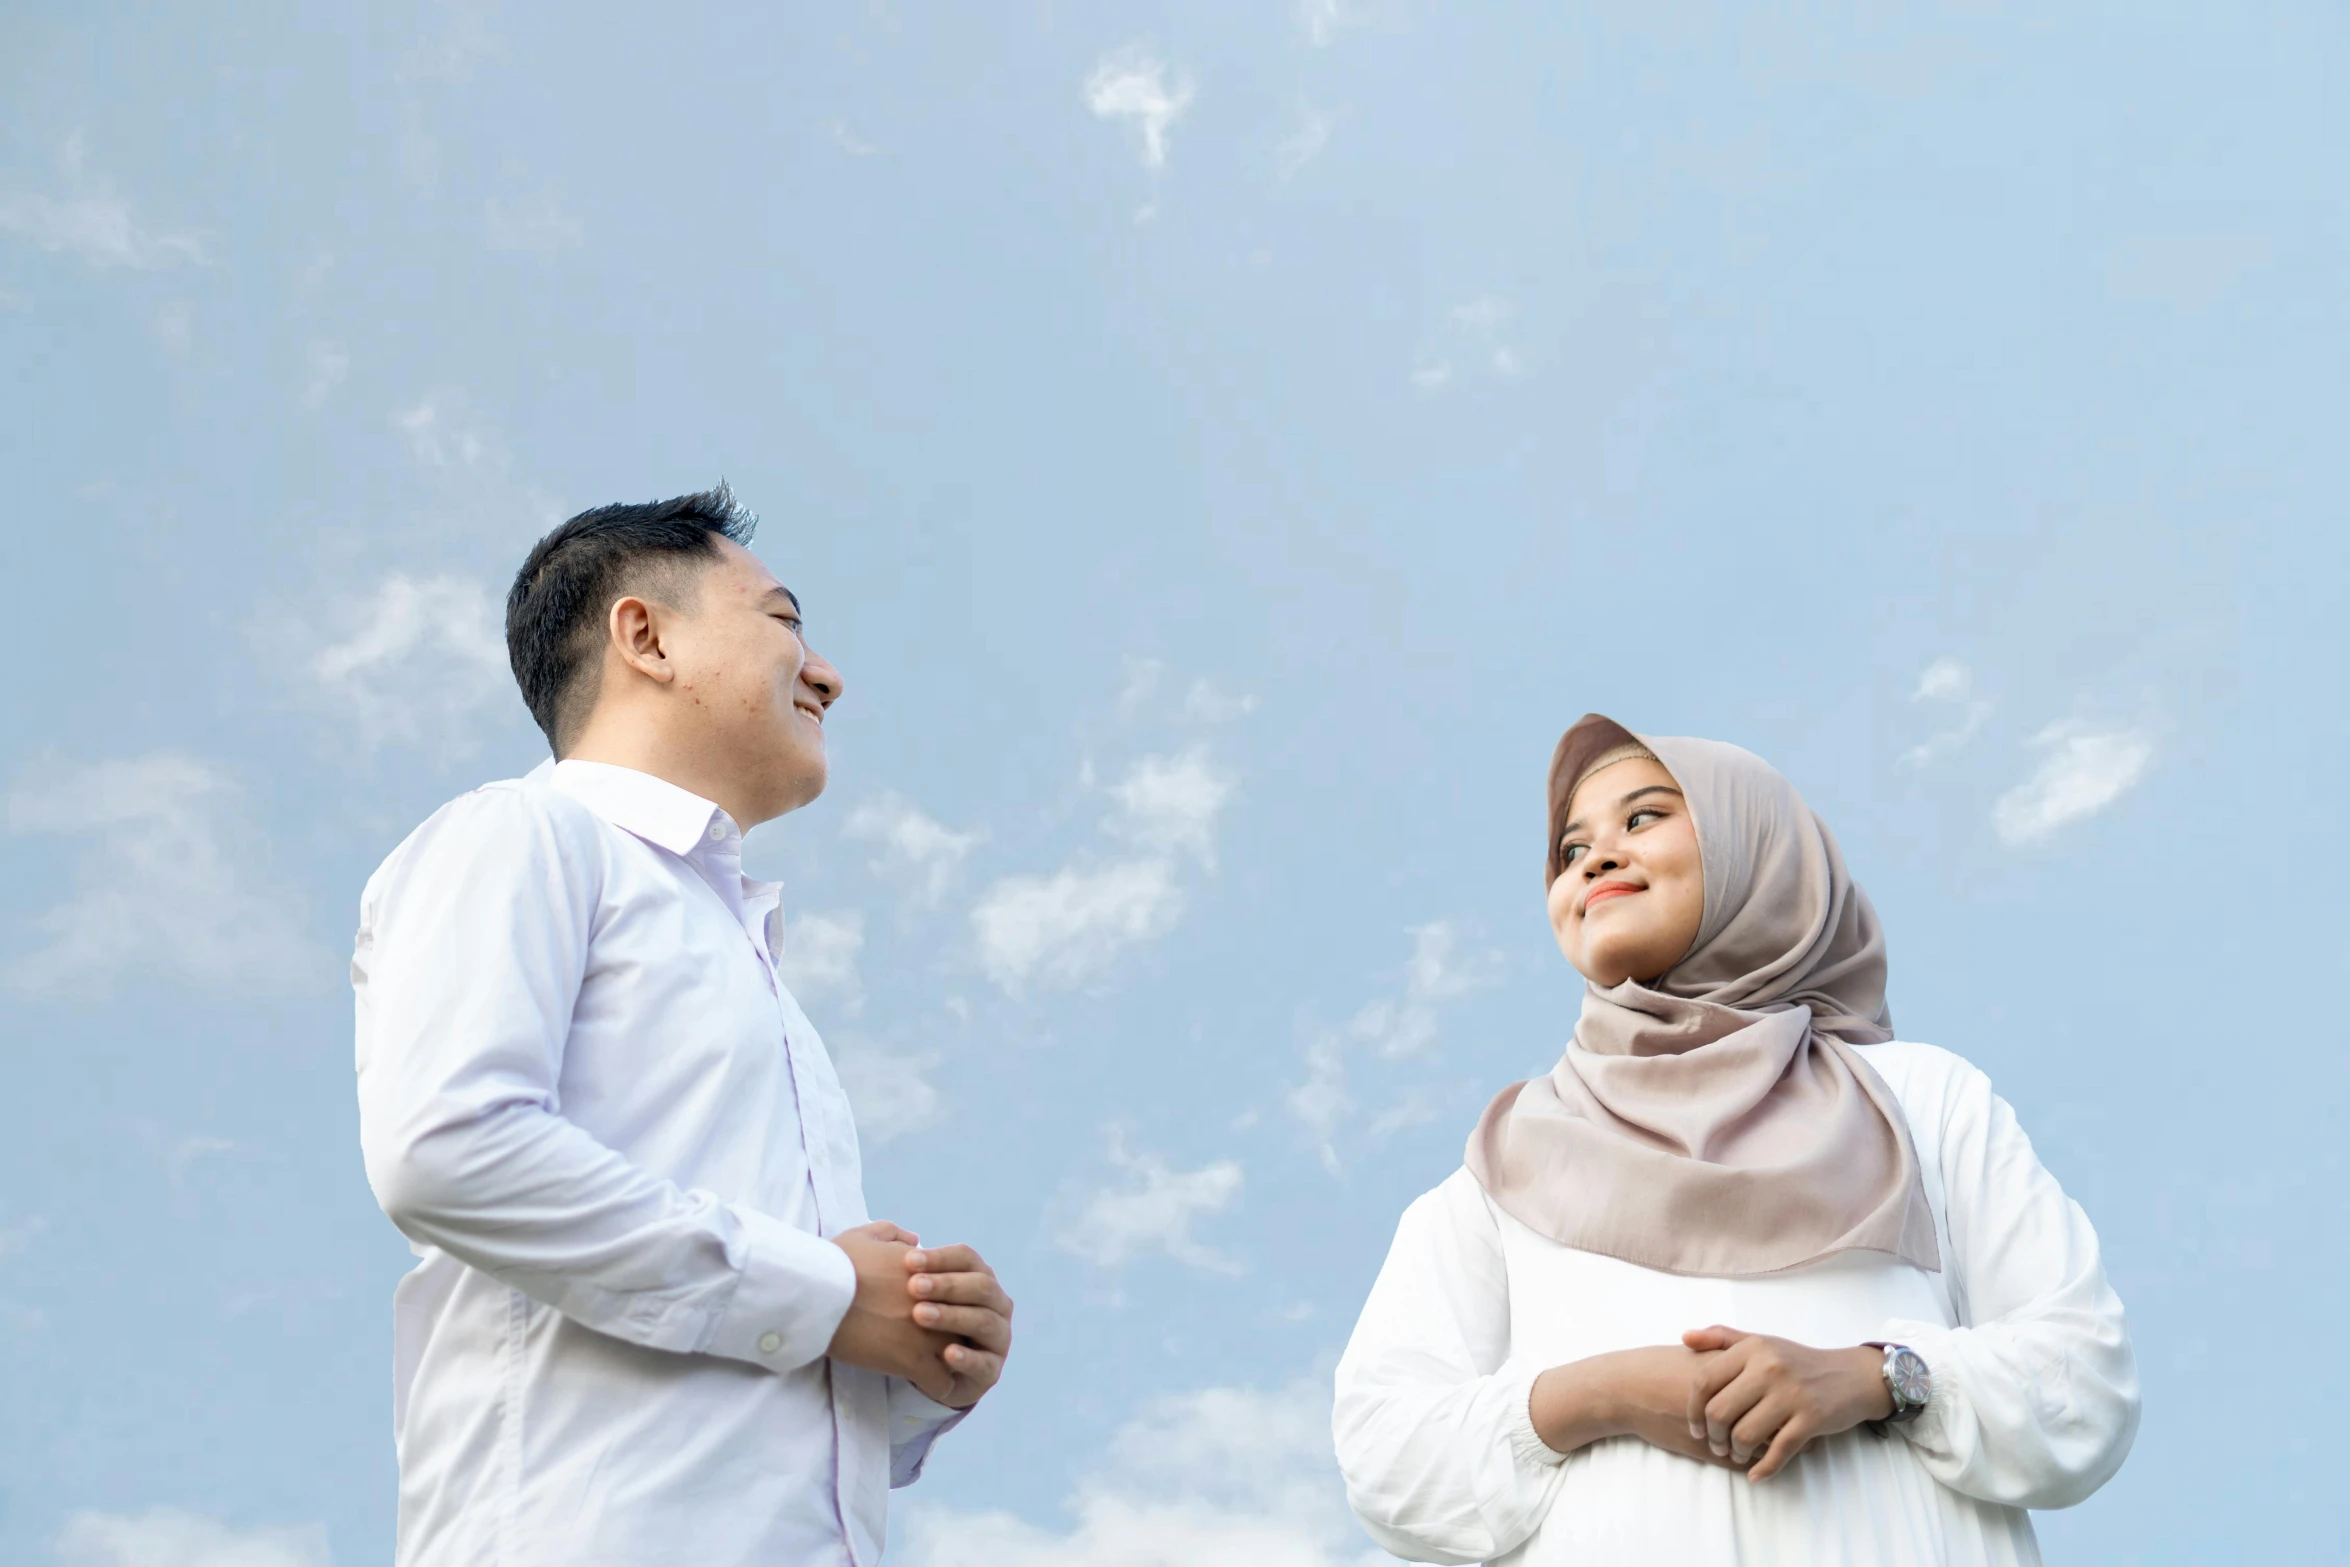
{"x":1719,"y":1122}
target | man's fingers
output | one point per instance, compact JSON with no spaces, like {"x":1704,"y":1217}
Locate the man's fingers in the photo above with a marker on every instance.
{"x":962,"y":1289}
{"x":976,"y":1369}
{"x":1715,"y":1337}
{"x":946,"y":1259}
{"x":983,"y":1327}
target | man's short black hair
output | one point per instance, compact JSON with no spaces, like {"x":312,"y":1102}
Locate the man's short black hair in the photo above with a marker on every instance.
{"x":555,"y":612}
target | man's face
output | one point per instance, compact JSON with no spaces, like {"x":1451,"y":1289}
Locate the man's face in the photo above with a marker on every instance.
{"x":754,"y":692}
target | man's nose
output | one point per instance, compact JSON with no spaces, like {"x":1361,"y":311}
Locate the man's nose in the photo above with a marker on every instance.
{"x":822,"y":677}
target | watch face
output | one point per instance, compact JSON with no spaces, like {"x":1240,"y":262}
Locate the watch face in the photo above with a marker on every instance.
{"x":1911,"y":1382}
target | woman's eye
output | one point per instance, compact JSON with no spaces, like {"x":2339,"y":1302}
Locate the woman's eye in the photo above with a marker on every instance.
{"x":1574,"y":852}
{"x":1640,"y":817}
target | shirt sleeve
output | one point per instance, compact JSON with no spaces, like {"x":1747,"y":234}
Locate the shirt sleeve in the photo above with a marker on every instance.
{"x":915,"y":1421}
{"x":2035,"y":1394}
{"x":472,"y":947}
{"x":1433,"y":1432}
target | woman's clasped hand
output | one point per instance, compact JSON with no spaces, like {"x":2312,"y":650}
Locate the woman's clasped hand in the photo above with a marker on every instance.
{"x":1738,"y":1400}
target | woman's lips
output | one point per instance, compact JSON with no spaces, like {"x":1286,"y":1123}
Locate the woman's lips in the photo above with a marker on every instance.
{"x":1607,"y":889}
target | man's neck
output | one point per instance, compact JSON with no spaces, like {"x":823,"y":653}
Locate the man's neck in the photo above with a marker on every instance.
{"x":617,"y":746}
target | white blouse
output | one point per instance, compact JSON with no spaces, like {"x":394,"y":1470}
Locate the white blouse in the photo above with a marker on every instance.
{"x":2035,"y":1389}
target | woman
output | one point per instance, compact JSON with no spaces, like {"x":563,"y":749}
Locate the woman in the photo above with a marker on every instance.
{"x":1741,"y":1280}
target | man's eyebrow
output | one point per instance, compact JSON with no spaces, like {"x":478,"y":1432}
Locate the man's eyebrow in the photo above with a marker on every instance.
{"x":1627,"y":800}
{"x":787,"y":594}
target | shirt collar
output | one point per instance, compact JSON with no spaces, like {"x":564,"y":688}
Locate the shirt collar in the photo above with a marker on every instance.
{"x":654,"y":809}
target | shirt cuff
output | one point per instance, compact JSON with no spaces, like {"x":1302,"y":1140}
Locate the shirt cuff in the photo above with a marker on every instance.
{"x":1931,"y":1429}
{"x":789,"y":1297}
{"x":1528,"y":1448}
{"x":915,"y":1421}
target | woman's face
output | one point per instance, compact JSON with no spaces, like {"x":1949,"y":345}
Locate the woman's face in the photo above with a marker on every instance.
{"x":1628,"y":904}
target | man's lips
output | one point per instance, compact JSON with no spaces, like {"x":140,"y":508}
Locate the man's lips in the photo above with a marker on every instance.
{"x":1608,"y":889}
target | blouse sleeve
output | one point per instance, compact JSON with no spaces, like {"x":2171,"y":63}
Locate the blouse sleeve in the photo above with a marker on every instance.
{"x":2035,"y":1394}
{"x":1432,"y":1429}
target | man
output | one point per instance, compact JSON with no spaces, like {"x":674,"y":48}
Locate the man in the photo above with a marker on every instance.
{"x":650,"y":1324}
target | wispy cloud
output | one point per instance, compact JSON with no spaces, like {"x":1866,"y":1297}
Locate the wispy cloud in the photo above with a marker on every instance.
{"x":1170,"y":804}
{"x":1067,"y":928}
{"x":160,"y":887}
{"x":168,"y":1537}
{"x":2085,"y":769}
{"x":329,"y":364}
{"x":819,"y":957}
{"x":1152,"y":1207}
{"x":1303,"y":145}
{"x":90,"y":221}
{"x":1064,"y":929}
{"x":1205,"y":702}
{"x":422,"y":655}
{"x":1323,"y":19}
{"x":891,"y":1093}
{"x":913,"y":845}
{"x":1949,"y":682}
{"x":1200,"y":1479}
{"x":439,"y":436}
{"x":1134,"y":84}
{"x":1392,"y":1027}
{"x":535,"y":222}
{"x":838,"y":133}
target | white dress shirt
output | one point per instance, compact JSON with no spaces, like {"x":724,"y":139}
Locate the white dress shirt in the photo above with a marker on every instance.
{"x":616,"y":1144}
{"x":2035,"y":1395}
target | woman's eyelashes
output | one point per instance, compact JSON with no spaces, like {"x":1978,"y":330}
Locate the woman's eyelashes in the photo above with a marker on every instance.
{"x":1569,"y":853}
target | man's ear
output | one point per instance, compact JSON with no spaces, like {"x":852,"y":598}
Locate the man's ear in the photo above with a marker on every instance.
{"x":634,"y":630}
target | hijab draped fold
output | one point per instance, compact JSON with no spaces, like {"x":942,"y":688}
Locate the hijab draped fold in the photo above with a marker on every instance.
{"x":1718,"y":1121}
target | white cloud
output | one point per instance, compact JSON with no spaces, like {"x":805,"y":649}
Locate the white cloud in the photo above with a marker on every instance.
{"x":2085,"y":770}
{"x":1392,"y":1027}
{"x":891,"y":1094}
{"x":424,"y":653}
{"x":1134,"y":84}
{"x":1153,"y":1209}
{"x":1950,"y":681}
{"x":849,"y":141}
{"x":1483,"y":321}
{"x":168,"y":1537}
{"x":1306,"y":143}
{"x":91,"y":222}
{"x":1142,"y":683}
{"x":1322,"y":19}
{"x":159,"y":888}
{"x":913,"y":845}
{"x":1212,"y":1478}
{"x":1067,"y":928}
{"x":1203,"y":701}
{"x":329,"y":364}
{"x":438,"y":438}
{"x":1171,"y":803}
{"x":819,"y":956}
{"x":529,"y":223}
{"x":1429,"y":377}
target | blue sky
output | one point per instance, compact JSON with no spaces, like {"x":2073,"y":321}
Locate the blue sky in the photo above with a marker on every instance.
{"x":1221,"y":446}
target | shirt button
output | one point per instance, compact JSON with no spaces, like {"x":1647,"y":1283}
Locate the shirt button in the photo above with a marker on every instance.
{"x":717,"y":831}
{"x":769,"y":1343}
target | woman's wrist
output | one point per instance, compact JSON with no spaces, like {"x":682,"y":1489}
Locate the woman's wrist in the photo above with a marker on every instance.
{"x":1579,"y":1403}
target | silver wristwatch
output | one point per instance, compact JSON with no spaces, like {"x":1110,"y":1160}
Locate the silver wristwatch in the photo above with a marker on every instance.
{"x":1907,"y":1379}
